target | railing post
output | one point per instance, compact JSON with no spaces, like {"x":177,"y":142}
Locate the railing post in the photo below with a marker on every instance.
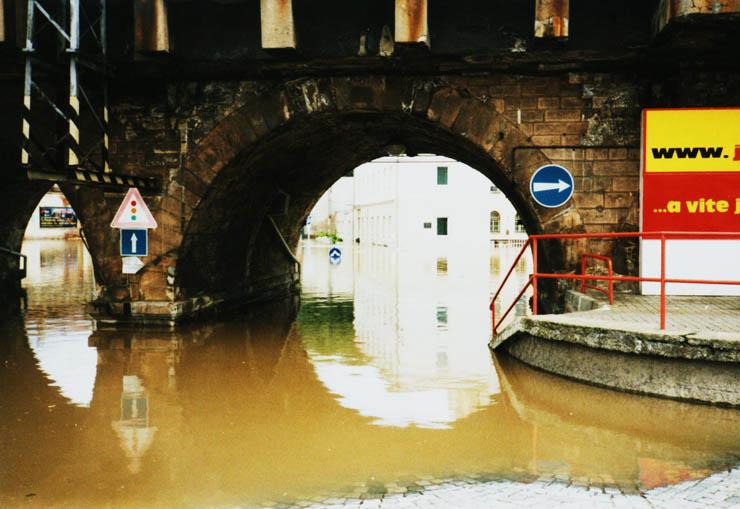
{"x":611,"y":281}
{"x":493,"y":317}
{"x":583,"y":273}
{"x":662,"y":282}
{"x":534,"y":276}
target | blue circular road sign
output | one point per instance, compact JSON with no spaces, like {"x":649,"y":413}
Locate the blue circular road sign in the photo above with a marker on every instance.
{"x":551,"y":186}
{"x":335,"y":255}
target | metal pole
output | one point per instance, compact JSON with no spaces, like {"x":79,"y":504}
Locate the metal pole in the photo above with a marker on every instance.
{"x":104,"y":53}
{"x":74,"y":101}
{"x":493,"y":316}
{"x":662,"y":282}
{"x":534,"y":276}
{"x":27,"y":85}
{"x":583,"y":273}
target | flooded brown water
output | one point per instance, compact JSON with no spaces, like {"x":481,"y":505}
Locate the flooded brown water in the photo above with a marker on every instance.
{"x":383,"y":376}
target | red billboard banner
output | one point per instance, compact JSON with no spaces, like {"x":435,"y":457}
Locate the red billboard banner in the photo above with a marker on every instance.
{"x":691,"y":170}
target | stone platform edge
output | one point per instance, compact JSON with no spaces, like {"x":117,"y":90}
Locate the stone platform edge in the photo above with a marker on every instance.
{"x":703,"y":345}
{"x":674,"y":366}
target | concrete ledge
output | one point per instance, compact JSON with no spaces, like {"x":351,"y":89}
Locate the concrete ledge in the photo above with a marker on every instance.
{"x":703,"y":381}
{"x":693,"y":367}
{"x":715,"y":346}
{"x":577,"y":301}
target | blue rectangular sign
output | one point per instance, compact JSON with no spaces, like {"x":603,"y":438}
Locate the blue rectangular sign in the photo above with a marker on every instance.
{"x":134,"y":242}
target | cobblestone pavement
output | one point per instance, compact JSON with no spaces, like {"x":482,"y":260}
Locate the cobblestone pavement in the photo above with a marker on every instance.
{"x":683,"y":314}
{"x":720,"y":490}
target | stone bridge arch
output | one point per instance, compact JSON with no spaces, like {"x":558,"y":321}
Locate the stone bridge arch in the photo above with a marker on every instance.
{"x":21,"y":199}
{"x":263,"y":167}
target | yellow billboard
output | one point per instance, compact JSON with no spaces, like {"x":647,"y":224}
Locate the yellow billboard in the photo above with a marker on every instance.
{"x":691,"y":140}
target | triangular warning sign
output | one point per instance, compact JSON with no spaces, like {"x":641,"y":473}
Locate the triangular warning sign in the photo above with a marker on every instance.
{"x":133,"y":212}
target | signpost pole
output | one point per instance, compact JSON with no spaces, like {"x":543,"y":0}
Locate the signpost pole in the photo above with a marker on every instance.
{"x":662,"y":282}
{"x":534,"y":277}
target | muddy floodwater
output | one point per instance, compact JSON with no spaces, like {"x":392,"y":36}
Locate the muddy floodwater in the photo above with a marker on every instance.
{"x":382,"y":378}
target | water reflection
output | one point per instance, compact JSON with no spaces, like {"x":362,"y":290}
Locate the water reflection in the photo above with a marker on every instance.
{"x":58,"y":283}
{"x":357,"y":390}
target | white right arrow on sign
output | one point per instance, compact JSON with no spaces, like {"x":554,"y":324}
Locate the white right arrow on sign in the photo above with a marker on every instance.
{"x":550,"y":186}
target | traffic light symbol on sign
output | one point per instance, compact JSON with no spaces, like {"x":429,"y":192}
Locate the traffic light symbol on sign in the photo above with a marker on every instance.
{"x":133,"y":212}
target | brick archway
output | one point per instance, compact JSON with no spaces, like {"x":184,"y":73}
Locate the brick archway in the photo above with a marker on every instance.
{"x":271,"y":158}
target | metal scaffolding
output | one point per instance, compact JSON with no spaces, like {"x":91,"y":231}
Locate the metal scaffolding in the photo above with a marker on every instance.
{"x":65,"y":95}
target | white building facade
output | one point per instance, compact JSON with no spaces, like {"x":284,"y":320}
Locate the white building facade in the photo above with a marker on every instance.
{"x":432,"y":202}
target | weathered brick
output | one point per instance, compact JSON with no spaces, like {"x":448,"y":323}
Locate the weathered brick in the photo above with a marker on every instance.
{"x":563,"y":115}
{"x":628,"y":184}
{"x":601,"y":216}
{"x":565,"y":154}
{"x":546,"y":140}
{"x":570,"y":139}
{"x":559,"y":128}
{"x":620,"y":200}
{"x":532,"y":116}
{"x":571,"y":103}
{"x":595,"y":154}
{"x":617,"y":153}
{"x":589,"y":200}
{"x":548,"y":103}
{"x":616,"y":168}
{"x":528,"y":103}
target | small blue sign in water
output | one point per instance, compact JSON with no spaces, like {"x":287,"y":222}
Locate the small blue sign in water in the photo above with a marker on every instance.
{"x":335,"y":255}
{"x":134,"y":242}
{"x":551,"y":186}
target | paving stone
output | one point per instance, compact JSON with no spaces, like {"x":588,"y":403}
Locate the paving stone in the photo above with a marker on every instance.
{"x":720,"y":490}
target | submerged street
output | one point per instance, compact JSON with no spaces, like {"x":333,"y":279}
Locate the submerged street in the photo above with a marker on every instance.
{"x":379,"y":390}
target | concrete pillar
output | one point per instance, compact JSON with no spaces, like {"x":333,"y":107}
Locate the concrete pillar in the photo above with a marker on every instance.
{"x":551,"y":18}
{"x":278,"y":29}
{"x":151,"y":30}
{"x":669,"y":9}
{"x":412,"y":26}
{"x":2,"y":21}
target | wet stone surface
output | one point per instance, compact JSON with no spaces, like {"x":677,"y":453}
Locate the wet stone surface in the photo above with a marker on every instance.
{"x":721,"y":490}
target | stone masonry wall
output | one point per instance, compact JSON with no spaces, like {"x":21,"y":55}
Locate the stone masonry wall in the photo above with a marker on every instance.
{"x":155,"y":130}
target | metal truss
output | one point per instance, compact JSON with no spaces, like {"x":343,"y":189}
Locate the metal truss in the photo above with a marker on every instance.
{"x":65,"y":95}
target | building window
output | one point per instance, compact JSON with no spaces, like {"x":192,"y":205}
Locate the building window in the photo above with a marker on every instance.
{"x":495,"y":222}
{"x":427,"y":226}
{"x":441,"y":175}
{"x":442,"y":315}
{"x":519,"y":226}
{"x":442,"y":265}
{"x":441,"y":226}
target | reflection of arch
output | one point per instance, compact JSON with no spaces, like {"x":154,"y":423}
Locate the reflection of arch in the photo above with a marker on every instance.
{"x":495,"y":221}
{"x":276,"y":155}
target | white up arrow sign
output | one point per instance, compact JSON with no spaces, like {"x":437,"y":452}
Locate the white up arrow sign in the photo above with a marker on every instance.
{"x":133,"y":243}
{"x":550,"y":186}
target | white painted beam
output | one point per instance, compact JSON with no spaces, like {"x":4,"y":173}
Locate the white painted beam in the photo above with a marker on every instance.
{"x":151,"y":28}
{"x":278,"y":28}
{"x":551,"y":18}
{"x":2,"y":21}
{"x":412,"y":25}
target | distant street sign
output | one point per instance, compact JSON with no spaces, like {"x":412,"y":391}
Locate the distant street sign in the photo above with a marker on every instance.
{"x":133,"y":212}
{"x":134,"y":242}
{"x":132,"y":264}
{"x":335,"y":255}
{"x":551,"y":186}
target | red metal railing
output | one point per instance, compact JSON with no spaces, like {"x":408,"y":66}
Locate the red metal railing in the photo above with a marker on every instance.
{"x":532,"y":242}
{"x":609,"y":292}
